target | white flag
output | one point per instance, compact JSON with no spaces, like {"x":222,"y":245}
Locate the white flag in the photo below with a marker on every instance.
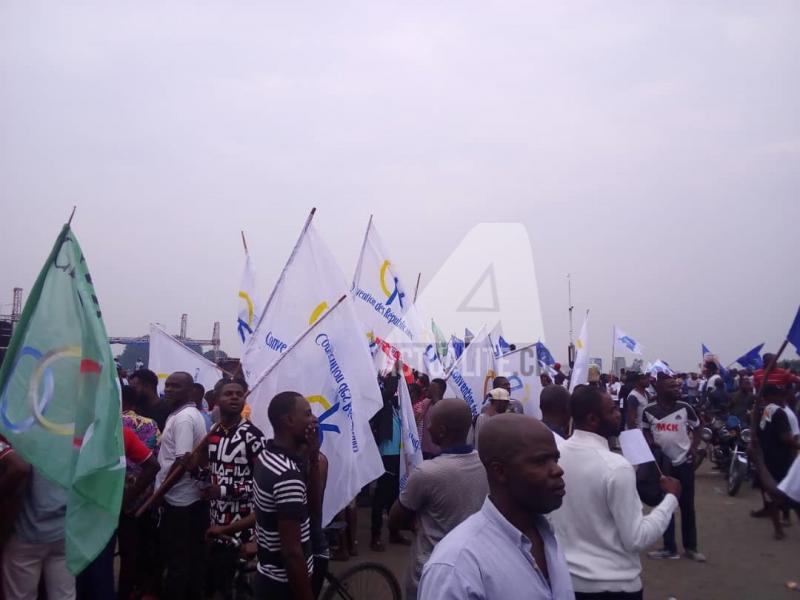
{"x":383,"y":302}
{"x":450,"y":358}
{"x":580,"y":370}
{"x":329,"y":365}
{"x":168,"y":355}
{"x":311,"y":282}
{"x":623,"y":341}
{"x":659,"y":366}
{"x":386,"y":308}
{"x":471,"y":376}
{"x":519,"y":366}
{"x":410,"y":446}
{"x":249,"y":310}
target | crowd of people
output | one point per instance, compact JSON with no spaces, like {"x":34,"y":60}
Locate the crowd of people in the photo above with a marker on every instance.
{"x":503,"y":506}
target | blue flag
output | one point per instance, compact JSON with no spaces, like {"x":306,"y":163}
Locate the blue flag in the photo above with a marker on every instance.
{"x":794,"y":332}
{"x":458,"y":346}
{"x":704,"y":351}
{"x":504,"y":346}
{"x":752,"y":359}
{"x":543,"y":354}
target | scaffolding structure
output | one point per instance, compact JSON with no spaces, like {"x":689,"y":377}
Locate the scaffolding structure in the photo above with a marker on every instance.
{"x":183,"y":337}
{"x":7,"y":322}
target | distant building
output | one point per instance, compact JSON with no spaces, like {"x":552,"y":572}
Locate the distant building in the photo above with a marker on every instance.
{"x":619,"y":364}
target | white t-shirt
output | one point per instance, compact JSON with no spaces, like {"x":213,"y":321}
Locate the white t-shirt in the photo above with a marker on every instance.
{"x":641,"y":401}
{"x":614,"y":389}
{"x":792,"y":421}
{"x":185,"y":428}
{"x":711,"y":384}
{"x":671,"y":428}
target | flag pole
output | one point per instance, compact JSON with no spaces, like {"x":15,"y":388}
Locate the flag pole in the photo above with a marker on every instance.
{"x":181,"y":465}
{"x":416,"y":289}
{"x":286,"y":266}
{"x":244,"y":243}
{"x":72,"y":214}
{"x":613,"y":346}
{"x":357,"y":273}
{"x":297,"y":341}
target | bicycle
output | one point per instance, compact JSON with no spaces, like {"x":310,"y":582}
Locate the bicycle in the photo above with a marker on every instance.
{"x":364,"y":581}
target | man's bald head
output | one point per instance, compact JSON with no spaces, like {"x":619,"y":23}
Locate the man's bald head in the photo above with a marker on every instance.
{"x":521,"y":461}
{"x":504,"y":434}
{"x":450,"y":422}
{"x":177,"y":388}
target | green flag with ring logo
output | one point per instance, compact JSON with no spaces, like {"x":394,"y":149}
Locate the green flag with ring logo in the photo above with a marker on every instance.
{"x":60,"y":399}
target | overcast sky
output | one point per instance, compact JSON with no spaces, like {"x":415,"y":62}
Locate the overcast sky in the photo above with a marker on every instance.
{"x":650,"y":149}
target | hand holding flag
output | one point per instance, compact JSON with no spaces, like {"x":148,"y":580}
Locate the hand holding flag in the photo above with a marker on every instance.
{"x":60,"y":399}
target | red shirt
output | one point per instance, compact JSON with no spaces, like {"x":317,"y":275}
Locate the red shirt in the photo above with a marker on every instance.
{"x":778,"y":377}
{"x":135,"y":450}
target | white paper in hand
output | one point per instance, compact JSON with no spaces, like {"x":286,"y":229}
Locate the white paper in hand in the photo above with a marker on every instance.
{"x":635,"y":447}
{"x":790,"y":485}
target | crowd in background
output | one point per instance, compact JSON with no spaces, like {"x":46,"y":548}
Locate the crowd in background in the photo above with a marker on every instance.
{"x":503,"y":506}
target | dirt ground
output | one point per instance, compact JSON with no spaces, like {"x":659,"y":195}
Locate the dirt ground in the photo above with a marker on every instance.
{"x":744,"y":562}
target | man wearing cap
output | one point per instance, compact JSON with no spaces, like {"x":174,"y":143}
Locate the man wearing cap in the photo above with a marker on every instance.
{"x":514,"y":406}
{"x":498,"y":404}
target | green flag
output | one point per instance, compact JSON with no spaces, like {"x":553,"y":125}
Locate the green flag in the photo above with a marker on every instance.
{"x":60,"y":401}
{"x":441,"y":341}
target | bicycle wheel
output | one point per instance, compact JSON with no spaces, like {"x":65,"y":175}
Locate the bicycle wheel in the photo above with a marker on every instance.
{"x":365,"y":581}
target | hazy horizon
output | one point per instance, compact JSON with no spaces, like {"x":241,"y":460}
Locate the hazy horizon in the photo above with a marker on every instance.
{"x":650,"y":150}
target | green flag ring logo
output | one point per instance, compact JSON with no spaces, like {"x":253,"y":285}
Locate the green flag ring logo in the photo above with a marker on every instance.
{"x":39,"y":404}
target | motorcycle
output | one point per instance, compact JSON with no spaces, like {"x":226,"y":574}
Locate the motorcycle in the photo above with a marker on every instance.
{"x":713,"y":447}
{"x":737,"y":438}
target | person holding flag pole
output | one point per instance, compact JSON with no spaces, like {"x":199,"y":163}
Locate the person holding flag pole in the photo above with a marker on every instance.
{"x":72,"y":434}
{"x":768,"y":380}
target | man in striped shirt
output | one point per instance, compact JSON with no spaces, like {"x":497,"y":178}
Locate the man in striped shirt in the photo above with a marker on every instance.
{"x":282,"y":487}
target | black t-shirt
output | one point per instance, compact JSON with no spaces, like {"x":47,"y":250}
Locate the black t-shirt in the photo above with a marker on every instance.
{"x":158,"y":413}
{"x":778,"y":455}
{"x":280,"y":494}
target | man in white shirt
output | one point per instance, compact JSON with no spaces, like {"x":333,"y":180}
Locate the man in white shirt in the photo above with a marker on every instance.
{"x":637,"y":399}
{"x":185,"y":518}
{"x":711,"y":374}
{"x":600,"y":524}
{"x":788,"y":405}
{"x":673,"y":426}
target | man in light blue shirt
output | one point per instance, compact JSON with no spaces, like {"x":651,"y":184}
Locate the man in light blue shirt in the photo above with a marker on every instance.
{"x":507,"y":550}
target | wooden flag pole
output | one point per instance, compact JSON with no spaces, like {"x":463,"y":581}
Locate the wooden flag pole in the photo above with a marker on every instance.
{"x":72,"y":214}
{"x":176,"y":473}
{"x":244,"y":243}
{"x":416,"y":289}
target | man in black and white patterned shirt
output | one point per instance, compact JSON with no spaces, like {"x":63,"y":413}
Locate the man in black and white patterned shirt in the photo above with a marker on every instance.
{"x":283,"y":487}
{"x":233,"y":448}
{"x":673,"y":426}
